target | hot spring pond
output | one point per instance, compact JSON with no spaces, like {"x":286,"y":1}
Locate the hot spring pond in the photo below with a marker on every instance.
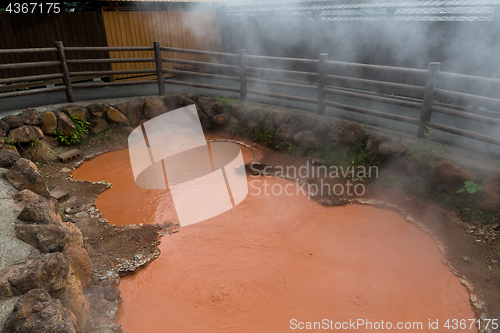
{"x":274,"y":263}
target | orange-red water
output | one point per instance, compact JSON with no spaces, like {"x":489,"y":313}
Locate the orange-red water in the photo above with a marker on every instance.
{"x":273,"y":259}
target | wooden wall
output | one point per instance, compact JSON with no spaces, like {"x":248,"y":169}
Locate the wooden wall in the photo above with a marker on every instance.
{"x":183,"y":29}
{"x":42,"y":30}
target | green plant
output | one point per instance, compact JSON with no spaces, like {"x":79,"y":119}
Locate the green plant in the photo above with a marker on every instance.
{"x":266,"y":138}
{"x":471,"y":188}
{"x":81,"y":128}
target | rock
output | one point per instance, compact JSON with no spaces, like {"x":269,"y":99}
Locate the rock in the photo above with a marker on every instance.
{"x":282,"y":118}
{"x":255,"y":118}
{"x":4,"y":128}
{"x":114,"y":115}
{"x":2,"y":142}
{"x":373,"y":143}
{"x":31,"y":117}
{"x":449,"y":177}
{"x":303,"y":121}
{"x":95,"y":109}
{"x":153,"y":107}
{"x":98,"y":125}
{"x":215,"y":109}
{"x":75,"y":235}
{"x":64,"y":123}
{"x":269,"y":123}
{"x":466,"y":259}
{"x":135,"y":110}
{"x":24,"y":197}
{"x":44,"y":237}
{"x":10,"y":147}
{"x":205,"y":103}
{"x":80,"y":258}
{"x":76,"y":111}
{"x":73,"y":299}
{"x":49,"y":272}
{"x":391,"y":149}
{"x":233,"y":122}
{"x":122,"y":107}
{"x":322,"y":128}
{"x":173,"y":102}
{"x":13,"y":121}
{"x":192,"y":96}
{"x":222,"y":119}
{"x":489,"y":198}
{"x":253,"y":126}
{"x":8,"y":158}
{"x":37,"y":312}
{"x":49,"y":122}
{"x":25,"y":175}
{"x":236,"y":109}
{"x":284,"y":133}
{"x":25,"y":134}
{"x":187,"y":101}
{"x":305,"y":140}
{"x":40,"y":211}
{"x":345,"y":134}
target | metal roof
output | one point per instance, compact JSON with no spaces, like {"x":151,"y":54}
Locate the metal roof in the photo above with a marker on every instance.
{"x":427,"y":10}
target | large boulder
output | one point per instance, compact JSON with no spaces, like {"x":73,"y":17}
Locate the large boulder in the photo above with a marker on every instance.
{"x":282,"y":118}
{"x":322,"y":128}
{"x":73,"y":299}
{"x":173,"y":102}
{"x":222,"y":119}
{"x":449,"y":177}
{"x":30,"y":116}
{"x":153,"y":107}
{"x":98,"y":125}
{"x":303,"y":121}
{"x":95,"y":109}
{"x":25,"y":134}
{"x":13,"y":121}
{"x":40,"y":211}
{"x":192,"y":96}
{"x":75,"y":235}
{"x":8,"y":158}
{"x":25,"y":175}
{"x":114,"y":115}
{"x":345,"y":134}
{"x":215,"y":109}
{"x":373,"y":143}
{"x":122,"y":107}
{"x":65,"y":124}
{"x":389,"y":150}
{"x":236,"y":109}
{"x":76,"y":111}
{"x":306,"y":140}
{"x":49,"y":272}
{"x":37,"y":312}
{"x":49,"y":122}
{"x":284,"y":134}
{"x":44,"y":237}
{"x":489,"y":198}
{"x":79,"y":258}
{"x":135,"y":109}
{"x":205,"y":103}
{"x":4,"y":128}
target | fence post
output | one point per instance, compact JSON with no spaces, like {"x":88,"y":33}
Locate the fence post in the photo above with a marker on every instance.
{"x":65,"y":71}
{"x":323,"y":57}
{"x":243,"y":75}
{"x":430,"y":85}
{"x":159,"y":69}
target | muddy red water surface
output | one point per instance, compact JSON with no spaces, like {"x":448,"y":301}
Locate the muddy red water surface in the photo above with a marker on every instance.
{"x":275,"y":263}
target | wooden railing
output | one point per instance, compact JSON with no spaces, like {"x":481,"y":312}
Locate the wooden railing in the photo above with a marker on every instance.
{"x":428,"y":91}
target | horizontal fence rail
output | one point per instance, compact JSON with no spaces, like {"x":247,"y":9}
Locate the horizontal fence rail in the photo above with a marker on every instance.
{"x":430,"y":91}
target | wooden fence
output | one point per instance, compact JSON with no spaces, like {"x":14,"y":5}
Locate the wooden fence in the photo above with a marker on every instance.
{"x":430,"y":91}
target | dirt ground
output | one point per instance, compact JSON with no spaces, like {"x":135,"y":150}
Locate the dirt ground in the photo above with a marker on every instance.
{"x":116,"y":251}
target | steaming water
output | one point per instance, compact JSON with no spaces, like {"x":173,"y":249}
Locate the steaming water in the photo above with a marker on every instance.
{"x":272,"y":259}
